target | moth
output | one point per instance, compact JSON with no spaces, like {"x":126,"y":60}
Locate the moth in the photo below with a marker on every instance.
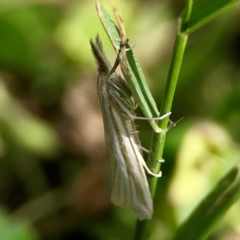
{"x":128,"y":179}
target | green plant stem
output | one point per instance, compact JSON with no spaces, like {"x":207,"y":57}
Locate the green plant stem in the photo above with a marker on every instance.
{"x":158,"y":140}
{"x":187,"y":14}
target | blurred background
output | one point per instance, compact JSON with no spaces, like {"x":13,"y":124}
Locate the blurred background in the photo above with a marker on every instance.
{"x":54,"y":169}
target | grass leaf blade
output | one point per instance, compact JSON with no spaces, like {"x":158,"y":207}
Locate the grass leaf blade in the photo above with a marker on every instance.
{"x":135,"y":77}
{"x":211,"y":209}
{"x":204,"y":11}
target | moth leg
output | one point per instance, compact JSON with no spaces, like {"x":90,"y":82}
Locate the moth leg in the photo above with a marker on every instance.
{"x":133,"y":117}
{"x":123,"y":45}
{"x":148,"y":170}
{"x":152,"y":118}
{"x":117,"y":61}
{"x":147,"y":151}
{"x":143,"y":148}
{"x":161,"y":160}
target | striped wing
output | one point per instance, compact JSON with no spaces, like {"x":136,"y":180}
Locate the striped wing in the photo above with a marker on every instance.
{"x":129,"y":183}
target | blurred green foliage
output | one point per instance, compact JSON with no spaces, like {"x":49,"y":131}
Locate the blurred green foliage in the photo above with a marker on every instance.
{"x":54,"y":176}
{"x":15,"y":230}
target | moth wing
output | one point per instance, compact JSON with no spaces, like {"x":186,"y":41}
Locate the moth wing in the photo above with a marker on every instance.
{"x":129,"y":182}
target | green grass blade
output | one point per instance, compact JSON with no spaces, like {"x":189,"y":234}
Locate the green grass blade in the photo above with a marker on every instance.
{"x":137,"y":82}
{"x":204,"y":11}
{"x":212,"y":208}
{"x":109,"y":26}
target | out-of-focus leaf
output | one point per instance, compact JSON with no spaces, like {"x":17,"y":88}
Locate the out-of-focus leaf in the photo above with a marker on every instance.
{"x":204,"y":11}
{"x":25,"y":129}
{"x":12,"y":229}
{"x":24,"y":34}
{"x":210,"y":210}
{"x":206,"y":153}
